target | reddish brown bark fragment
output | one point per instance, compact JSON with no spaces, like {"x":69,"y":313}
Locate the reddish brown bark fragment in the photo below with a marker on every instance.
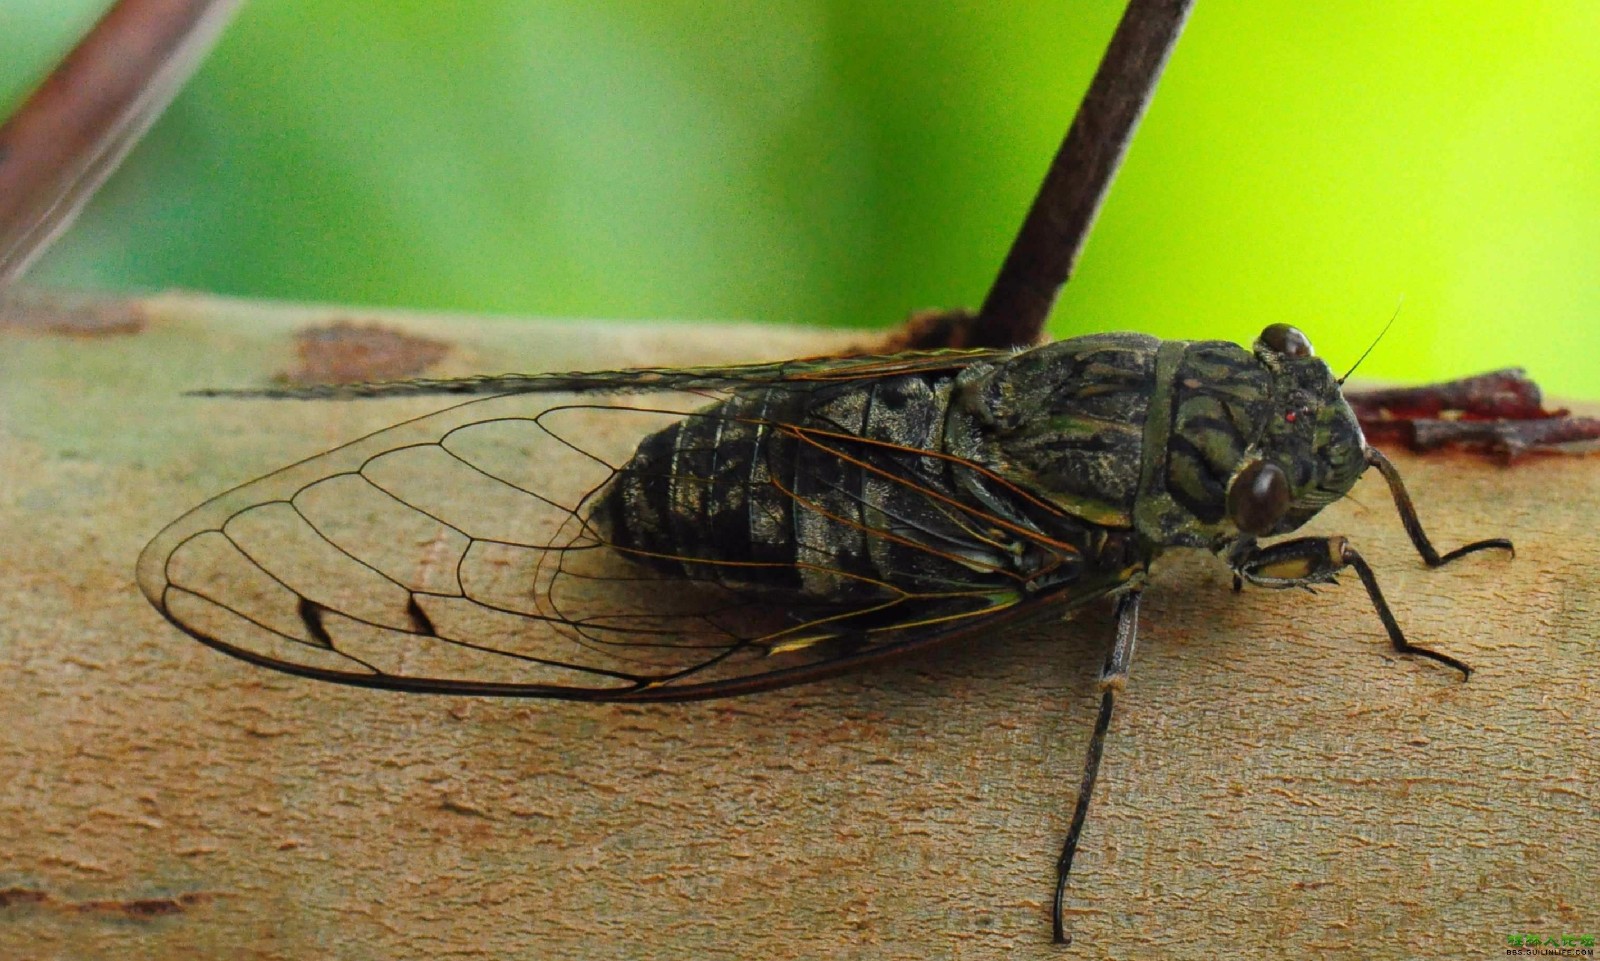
{"x":345,"y":352}
{"x":1500,"y":413}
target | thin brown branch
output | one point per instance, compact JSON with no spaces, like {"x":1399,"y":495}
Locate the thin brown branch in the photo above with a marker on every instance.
{"x":73,"y":131}
{"x":1058,"y":224}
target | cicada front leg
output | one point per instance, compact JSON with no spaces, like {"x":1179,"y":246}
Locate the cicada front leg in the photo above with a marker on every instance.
{"x":1413,"y":526}
{"x":1306,"y":561}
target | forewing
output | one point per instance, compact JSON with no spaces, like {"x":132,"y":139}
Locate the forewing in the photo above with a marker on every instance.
{"x":452,"y":553}
{"x":799,"y":373}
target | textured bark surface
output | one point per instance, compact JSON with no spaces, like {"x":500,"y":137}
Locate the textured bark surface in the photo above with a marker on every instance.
{"x":1276,"y":782}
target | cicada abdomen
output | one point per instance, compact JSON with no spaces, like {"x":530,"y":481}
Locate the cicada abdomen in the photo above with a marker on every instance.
{"x":757,"y":494}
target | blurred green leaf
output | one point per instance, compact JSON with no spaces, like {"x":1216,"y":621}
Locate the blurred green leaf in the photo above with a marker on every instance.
{"x":825,"y":162}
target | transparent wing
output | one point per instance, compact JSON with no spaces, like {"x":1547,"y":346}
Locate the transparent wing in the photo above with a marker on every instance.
{"x":454,"y":553}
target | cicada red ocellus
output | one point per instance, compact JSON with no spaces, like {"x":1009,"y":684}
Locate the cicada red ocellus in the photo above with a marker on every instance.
{"x":670,"y":535}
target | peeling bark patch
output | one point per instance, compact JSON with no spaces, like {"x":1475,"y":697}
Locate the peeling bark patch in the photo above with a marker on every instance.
{"x":137,"y":908}
{"x":345,"y":352}
{"x":63,"y":315}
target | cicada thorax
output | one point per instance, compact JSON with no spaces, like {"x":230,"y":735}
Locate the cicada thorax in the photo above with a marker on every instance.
{"x":1123,"y":431}
{"x":1208,"y":411}
{"x":1065,"y":422}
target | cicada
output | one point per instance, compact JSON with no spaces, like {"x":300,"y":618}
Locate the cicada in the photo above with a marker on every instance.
{"x":677,"y":534}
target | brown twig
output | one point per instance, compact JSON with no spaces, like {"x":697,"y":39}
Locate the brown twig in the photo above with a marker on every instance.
{"x":67,"y":137}
{"x":1057,"y":225}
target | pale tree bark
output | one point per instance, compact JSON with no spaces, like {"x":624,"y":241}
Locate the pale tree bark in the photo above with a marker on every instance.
{"x":1276,"y":782}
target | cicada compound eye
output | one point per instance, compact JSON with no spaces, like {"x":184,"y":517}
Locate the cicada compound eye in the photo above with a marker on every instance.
{"x":1286,"y":340}
{"x":1258,"y":497}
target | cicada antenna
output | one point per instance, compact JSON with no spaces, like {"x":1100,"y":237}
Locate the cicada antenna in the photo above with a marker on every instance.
{"x":1385,"y":330}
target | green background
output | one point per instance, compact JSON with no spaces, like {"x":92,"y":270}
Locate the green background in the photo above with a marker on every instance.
{"x":827,"y":162}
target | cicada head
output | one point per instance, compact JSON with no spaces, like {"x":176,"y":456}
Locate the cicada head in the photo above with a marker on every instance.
{"x":1311,"y":451}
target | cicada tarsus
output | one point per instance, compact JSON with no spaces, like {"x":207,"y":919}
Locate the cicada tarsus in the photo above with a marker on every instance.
{"x":678,"y":534}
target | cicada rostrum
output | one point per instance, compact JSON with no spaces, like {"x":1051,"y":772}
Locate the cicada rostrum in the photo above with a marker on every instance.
{"x":670,"y":535}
